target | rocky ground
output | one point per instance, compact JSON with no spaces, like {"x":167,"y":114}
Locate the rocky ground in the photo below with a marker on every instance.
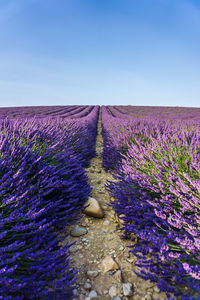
{"x":101,"y":257}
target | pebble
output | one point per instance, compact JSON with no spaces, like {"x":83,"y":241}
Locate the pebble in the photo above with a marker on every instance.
{"x":78,"y":231}
{"x":92,"y":274}
{"x":87,"y":286}
{"x":100,"y":192}
{"x":116,"y":298}
{"x":86,"y":220}
{"x":73,"y":249}
{"x":156,"y":289}
{"x":84,"y":240}
{"x":130,"y":260}
{"x":118,"y":276}
{"x":106,"y":222}
{"x":94,"y":209}
{"x":93,"y":295}
{"x":102,"y":233}
{"x":127,"y":289}
{"x":75,"y":292}
{"x":113,"y":291}
{"x":108,"y":264}
{"x":121,"y":247}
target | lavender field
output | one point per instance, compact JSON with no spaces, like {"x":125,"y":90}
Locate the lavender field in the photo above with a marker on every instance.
{"x":43,"y":190}
{"x":153,"y":154}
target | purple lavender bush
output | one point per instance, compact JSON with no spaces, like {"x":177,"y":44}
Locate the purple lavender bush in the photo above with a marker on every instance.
{"x":158,"y":196}
{"x":32,"y":263}
{"x":43,"y":188}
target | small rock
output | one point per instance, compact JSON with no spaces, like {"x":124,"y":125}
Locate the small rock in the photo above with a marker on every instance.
{"x":102,"y":233}
{"x":116,"y":298}
{"x":75,"y":292}
{"x":94,"y":209}
{"x":113,"y":291}
{"x":73,"y":249}
{"x":148,"y":297}
{"x":93,"y":295}
{"x":121,"y":247}
{"x":108,"y":264}
{"x":84,"y":240}
{"x":131,"y":260}
{"x":126,"y":254}
{"x":78,"y":231}
{"x":105,"y":292}
{"x":92,"y":274}
{"x":100,"y":191}
{"x":86,"y":220}
{"x":87,"y":286}
{"x":106,"y":207}
{"x":106,"y":222}
{"x":118,"y":276}
{"x":156,"y":289}
{"x":110,"y":238}
{"x":81,"y":297}
{"x":127,"y":289}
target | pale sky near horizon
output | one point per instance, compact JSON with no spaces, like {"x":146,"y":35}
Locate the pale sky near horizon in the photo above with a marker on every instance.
{"x":117,"y":52}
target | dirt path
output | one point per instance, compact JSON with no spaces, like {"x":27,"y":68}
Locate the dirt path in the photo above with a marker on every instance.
{"x":101,"y":240}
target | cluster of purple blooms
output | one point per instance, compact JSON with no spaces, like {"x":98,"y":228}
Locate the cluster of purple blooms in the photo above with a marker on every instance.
{"x":157,"y":194}
{"x":43,"y":188}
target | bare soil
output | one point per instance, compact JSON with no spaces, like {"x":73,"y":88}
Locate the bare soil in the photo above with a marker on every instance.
{"x":103,"y":239}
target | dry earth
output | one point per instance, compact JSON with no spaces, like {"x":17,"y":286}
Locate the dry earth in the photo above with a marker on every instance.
{"x":102,"y":240}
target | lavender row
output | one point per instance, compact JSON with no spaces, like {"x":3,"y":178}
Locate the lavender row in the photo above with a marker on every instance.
{"x":43,"y":189}
{"x":45,"y":111}
{"x":158,"y":196}
{"x":157,"y":112}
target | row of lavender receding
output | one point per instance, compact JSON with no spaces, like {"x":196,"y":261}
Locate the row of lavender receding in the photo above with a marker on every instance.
{"x":157,"y":193}
{"x":69,"y":111}
{"x":43,"y":188}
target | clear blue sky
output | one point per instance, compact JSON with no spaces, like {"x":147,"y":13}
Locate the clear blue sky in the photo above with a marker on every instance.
{"x":138,"y":52}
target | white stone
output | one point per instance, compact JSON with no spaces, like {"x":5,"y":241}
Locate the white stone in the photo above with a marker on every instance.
{"x":93,"y":295}
{"x":127,"y":289}
{"x":106,"y":222}
{"x":156,"y":289}
{"x":87,"y":286}
{"x":113,"y":291}
{"x":92,"y":274}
